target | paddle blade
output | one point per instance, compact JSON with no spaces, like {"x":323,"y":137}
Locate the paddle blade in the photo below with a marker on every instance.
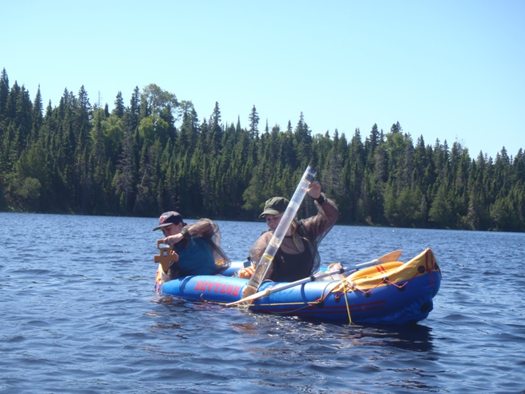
{"x":392,"y":256}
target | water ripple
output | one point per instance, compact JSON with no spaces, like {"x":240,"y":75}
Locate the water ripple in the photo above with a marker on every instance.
{"x":79,"y":316}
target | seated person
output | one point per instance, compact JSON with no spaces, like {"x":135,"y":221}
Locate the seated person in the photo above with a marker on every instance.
{"x":196,"y":244}
{"x":298,"y":256}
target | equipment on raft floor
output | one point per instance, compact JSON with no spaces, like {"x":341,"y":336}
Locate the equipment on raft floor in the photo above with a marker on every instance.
{"x":387,"y":293}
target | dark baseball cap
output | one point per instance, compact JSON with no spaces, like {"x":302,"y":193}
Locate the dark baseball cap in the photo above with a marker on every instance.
{"x":168,"y":218}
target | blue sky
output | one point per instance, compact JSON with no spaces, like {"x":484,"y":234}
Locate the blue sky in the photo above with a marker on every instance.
{"x":447,"y":70}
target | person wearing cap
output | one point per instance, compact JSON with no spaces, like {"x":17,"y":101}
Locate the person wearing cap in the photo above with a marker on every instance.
{"x":298,"y":256}
{"x":197,"y":246}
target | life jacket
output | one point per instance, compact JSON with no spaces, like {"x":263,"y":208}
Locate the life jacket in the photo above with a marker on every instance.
{"x":292,"y":267}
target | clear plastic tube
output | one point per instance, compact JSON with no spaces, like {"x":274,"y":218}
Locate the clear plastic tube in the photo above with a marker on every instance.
{"x":280,"y":232}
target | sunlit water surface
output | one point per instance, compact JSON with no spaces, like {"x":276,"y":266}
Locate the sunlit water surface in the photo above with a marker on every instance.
{"x":79,"y":315}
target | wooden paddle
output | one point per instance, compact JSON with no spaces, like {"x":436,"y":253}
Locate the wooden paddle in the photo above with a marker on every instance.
{"x":392,"y":256}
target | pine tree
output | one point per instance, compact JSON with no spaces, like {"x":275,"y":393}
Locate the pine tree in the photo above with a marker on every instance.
{"x":37,"y":116}
{"x":216,"y":132}
{"x":254,"y":123}
{"x":119,"y":109}
{"x":4,"y":93}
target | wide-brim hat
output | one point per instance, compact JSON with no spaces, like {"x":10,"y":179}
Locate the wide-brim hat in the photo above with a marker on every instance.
{"x":274,"y":206}
{"x":168,"y":218}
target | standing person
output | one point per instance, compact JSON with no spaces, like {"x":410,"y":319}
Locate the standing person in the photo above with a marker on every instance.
{"x":298,"y":256}
{"x":196,"y":244}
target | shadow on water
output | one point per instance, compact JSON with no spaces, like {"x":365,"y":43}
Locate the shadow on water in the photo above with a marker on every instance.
{"x":414,"y":337}
{"x":285,"y":353}
{"x":417,"y":338}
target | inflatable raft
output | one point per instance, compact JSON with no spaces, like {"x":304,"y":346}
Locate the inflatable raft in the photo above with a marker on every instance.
{"x":387,"y":293}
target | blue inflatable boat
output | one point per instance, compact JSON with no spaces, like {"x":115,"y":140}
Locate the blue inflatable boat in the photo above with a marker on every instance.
{"x":392,"y":292}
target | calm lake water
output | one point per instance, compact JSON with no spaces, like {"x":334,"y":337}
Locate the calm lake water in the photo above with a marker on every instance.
{"x":79,"y":315}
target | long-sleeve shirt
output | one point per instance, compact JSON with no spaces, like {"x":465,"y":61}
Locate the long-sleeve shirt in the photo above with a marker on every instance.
{"x":306,"y":236}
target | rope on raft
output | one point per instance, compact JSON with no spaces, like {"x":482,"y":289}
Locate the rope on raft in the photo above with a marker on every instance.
{"x":344,"y":287}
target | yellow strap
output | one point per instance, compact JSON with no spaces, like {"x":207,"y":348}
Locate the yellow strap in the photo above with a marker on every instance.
{"x":348,"y":309}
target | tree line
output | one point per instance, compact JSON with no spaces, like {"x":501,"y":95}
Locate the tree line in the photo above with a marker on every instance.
{"x":155,"y":154}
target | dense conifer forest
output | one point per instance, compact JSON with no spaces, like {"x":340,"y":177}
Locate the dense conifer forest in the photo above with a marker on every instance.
{"x":155,"y":154}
